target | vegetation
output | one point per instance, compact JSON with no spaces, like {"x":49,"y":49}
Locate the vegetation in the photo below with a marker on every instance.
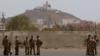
{"x":72,"y":27}
{"x":22,"y":23}
{"x":33,"y":28}
{"x":19,"y":22}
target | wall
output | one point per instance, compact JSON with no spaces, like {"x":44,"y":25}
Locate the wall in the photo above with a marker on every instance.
{"x":50,"y":39}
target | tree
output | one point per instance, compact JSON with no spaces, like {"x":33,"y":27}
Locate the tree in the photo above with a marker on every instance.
{"x":70,"y":27}
{"x":19,"y":22}
{"x":33,"y":28}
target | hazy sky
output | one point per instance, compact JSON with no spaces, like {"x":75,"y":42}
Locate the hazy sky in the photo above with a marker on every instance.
{"x":84,"y":9}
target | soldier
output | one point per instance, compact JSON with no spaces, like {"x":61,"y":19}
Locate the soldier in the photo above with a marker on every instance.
{"x":92,"y":46}
{"x":5,"y":43}
{"x":26,"y":43}
{"x":9,"y":47}
{"x":95,"y":46}
{"x":17,"y":43}
{"x":32,"y":45}
{"x":88,"y":45}
{"x":38,"y":44}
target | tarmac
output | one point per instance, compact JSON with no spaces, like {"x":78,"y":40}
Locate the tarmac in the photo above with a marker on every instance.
{"x":54,"y":52}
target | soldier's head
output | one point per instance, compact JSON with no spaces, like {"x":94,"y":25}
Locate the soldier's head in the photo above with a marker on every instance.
{"x":95,"y":36}
{"x":31,"y":36}
{"x":26,"y":38}
{"x":16,"y":37}
{"x":6,"y":36}
{"x":89,"y":36}
{"x":38,"y":37}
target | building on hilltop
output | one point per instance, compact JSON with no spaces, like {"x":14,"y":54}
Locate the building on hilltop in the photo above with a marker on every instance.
{"x":45,"y":6}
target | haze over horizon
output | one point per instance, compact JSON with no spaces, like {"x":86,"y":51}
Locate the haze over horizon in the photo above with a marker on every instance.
{"x":84,"y":9}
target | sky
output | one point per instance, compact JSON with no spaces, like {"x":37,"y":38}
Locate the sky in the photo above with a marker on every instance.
{"x":84,"y":9}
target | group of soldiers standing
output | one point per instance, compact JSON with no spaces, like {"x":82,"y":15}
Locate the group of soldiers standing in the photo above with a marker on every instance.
{"x":30,"y":45}
{"x":91,"y":43}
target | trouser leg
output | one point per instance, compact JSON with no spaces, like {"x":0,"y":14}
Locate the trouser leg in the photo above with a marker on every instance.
{"x":95,"y":50}
{"x":92,"y":51}
{"x":4,"y":51}
{"x":16,"y":50}
{"x":30,"y":51}
{"x":34,"y":50}
{"x":10,"y":50}
{"x":38,"y":50}
{"x":26,"y":50}
{"x":87,"y":51}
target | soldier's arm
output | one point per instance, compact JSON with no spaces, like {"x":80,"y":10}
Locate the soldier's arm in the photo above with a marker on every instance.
{"x":3,"y":42}
{"x":97,"y":39}
{"x":41,"y":42}
{"x":18,"y":42}
{"x":24,"y":43}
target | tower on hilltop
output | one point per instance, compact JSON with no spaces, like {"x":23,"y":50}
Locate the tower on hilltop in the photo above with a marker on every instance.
{"x":47,"y":5}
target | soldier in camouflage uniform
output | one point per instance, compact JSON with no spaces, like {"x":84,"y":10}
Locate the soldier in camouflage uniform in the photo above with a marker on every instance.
{"x":32,"y":45}
{"x":5,"y":43}
{"x":88,"y":45}
{"x":9,"y":47}
{"x":95,"y":46}
{"x":17,"y":43}
{"x":26,"y":44}
{"x":38,"y":45}
{"x":92,"y":46}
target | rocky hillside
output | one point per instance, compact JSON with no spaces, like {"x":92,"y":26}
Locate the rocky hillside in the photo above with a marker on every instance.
{"x":45,"y":14}
{"x":48,"y":14}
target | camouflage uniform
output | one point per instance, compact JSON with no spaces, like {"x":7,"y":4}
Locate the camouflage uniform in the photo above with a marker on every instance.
{"x":17,"y":43}
{"x":88,"y":45}
{"x":5,"y":43}
{"x":38,"y":44}
{"x":92,"y":46}
{"x":26,"y":43}
{"x":9,"y":47}
{"x":32,"y":45}
{"x":95,"y":46}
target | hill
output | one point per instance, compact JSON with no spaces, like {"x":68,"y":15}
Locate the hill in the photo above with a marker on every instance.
{"x":45,"y":15}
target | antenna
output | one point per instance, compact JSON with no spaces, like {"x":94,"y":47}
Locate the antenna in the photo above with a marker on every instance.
{"x":95,"y":28}
{"x":3,"y":18}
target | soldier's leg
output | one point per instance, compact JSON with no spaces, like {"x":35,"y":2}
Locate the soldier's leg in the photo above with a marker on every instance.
{"x":7,"y":50}
{"x":38,"y":50}
{"x":87,"y":51}
{"x":92,"y":51}
{"x":26,"y":50}
{"x":10,"y":50}
{"x":17,"y":51}
{"x":4,"y":52}
{"x":95,"y":50}
{"x":34,"y":50}
{"x":30,"y":50}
